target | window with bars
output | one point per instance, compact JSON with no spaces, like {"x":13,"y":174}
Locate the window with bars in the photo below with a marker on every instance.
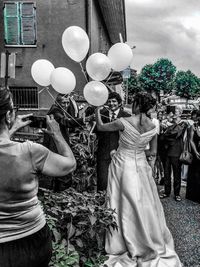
{"x":20,"y":23}
{"x":25,"y":97}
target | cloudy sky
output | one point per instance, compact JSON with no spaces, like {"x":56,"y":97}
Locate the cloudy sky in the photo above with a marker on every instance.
{"x":164,"y":29}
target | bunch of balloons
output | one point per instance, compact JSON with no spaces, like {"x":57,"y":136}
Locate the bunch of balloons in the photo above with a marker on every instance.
{"x":62,"y":79}
{"x":76,"y":44}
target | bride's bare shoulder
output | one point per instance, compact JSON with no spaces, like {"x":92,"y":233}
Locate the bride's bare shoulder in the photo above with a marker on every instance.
{"x":149,"y":124}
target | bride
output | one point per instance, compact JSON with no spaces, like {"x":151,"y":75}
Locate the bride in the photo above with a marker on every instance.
{"x":143,"y":238}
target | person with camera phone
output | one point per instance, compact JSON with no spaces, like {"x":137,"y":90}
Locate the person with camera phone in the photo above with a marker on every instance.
{"x":25,"y":238}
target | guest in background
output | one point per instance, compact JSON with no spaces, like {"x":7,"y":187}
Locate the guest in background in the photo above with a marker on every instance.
{"x":72,"y":108}
{"x":66,"y":121}
{"x":152,"y":159}
{"x":190,"y":122}
{"x":108,"y":141}
{"x":173,"y":137}
{"x":161,"y":152}
{"x":193,"y":179}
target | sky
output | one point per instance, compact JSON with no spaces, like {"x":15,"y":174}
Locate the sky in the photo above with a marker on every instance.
{"x":164,"y":29}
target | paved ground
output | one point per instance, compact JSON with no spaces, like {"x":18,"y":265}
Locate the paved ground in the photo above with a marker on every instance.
{"x":183,"y":219}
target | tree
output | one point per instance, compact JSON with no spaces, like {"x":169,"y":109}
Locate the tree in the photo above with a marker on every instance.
{"x":133,"y":86}
{"x":158,"y":76}
{"x":187,"y":84}
{"x":147,"y":78}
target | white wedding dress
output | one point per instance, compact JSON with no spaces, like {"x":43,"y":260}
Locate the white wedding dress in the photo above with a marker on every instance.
{"x":143,"y":238}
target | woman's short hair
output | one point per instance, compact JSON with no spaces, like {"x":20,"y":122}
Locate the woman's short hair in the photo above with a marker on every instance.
{"x":145,"y":101}
{"x":116,"y":96}
{"x":5,"y":102}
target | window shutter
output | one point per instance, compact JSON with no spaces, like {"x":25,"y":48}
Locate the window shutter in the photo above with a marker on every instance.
{"x":11,"y":23}
{"x":28,"y":24}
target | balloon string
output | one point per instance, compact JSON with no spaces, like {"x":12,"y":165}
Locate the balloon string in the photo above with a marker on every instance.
{"x":83,"y":72}
{"x":63,"y":109}
{"x":109,"y":78}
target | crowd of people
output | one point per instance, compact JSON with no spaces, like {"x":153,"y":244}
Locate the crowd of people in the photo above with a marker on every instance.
{"x":132,"y":150}
{"x":174,"y":133}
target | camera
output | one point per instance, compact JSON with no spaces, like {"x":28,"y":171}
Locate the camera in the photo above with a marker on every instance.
{"x":38,"y":121}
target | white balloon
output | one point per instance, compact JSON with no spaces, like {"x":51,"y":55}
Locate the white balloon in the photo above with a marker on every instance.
{"x":96,"y":93}
{"x":120,"y":55}
{"x":63,"y":80}
{"x":75,"y":42}
{"x":98,"y":66}
{"x":41,"y":71}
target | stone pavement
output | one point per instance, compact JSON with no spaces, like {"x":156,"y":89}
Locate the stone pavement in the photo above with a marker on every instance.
{"x":183,"y":220}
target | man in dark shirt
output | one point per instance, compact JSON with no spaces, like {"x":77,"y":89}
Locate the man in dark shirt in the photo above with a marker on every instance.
{"x":173,"y":138}
{"x":60,"y":111}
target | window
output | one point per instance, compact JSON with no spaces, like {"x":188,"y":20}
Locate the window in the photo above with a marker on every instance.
{"x":20,"y":23}
{"x":25,"y":97}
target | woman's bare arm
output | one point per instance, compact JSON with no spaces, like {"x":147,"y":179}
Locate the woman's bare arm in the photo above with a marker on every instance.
{"x":107,"y":127}
{"x":64,"y":162}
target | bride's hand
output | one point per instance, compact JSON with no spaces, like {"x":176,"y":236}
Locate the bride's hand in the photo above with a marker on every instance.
{"x":99,"y":108}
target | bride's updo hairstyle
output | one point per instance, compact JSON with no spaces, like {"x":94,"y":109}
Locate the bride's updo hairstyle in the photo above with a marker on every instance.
{"x":5,"y":103}
{"x":143,"y":101}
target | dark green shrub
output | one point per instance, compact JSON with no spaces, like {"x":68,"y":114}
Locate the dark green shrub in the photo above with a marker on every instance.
{"x":78,"y":222}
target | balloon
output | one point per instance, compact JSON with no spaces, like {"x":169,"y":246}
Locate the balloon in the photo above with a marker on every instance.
{"x":75,"y":42}
{"x":98,"y":66}
{"x":41,"y":71}
{"x":120,"y":55}
{"x":63,"y":80}
{"x":96,"y":93}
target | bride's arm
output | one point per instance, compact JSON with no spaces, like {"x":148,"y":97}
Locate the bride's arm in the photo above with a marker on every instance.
{"x":107,"y":127}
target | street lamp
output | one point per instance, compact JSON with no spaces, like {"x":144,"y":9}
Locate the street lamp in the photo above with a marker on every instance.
{"x":126,"y":74}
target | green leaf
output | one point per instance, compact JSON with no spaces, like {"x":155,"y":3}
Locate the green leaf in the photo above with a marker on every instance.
{"x":93,"y":219}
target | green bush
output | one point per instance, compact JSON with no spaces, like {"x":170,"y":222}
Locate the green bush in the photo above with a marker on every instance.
{"x":78,"y":222}
{"x":84,"y":145}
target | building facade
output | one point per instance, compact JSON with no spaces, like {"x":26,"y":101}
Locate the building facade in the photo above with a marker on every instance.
{"x":32,"y":30}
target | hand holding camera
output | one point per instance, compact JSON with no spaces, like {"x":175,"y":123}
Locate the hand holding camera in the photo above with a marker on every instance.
{"x":38,"y":122}
{"x":53,"y":127}
{"x":20,"y":122}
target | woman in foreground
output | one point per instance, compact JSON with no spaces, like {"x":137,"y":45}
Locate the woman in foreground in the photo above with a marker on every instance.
{"x":25,"y":238}
{"x":142,"y":238}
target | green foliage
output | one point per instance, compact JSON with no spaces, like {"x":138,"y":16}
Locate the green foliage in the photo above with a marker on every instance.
{"x":78,"y":222}
{"x":157,"y":77}
{"x":133,"y":86}
{"x":83,"y":145}
{"x":146,"y":78}
{"x":187,"y":84}
{"x":63,"y":258}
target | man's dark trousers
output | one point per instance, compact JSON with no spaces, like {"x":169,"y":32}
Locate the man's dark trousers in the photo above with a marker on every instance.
{"x":176,"y":167}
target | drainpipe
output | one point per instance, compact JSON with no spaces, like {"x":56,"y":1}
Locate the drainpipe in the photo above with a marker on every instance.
{"x":88,"y":15}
